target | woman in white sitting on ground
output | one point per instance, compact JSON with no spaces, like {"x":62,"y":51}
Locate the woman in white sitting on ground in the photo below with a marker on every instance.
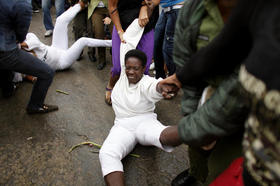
{"x":58,"y":56}
{"x":133,"y":100}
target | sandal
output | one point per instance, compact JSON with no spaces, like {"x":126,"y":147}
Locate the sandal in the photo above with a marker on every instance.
{"x":108,"y":96}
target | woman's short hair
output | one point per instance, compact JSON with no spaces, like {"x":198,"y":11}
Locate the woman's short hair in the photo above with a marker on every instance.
{"x":137,"y":54}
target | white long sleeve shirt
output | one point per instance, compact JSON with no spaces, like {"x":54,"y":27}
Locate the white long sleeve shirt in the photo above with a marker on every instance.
{"x":47,"y":54}
{"x":130,"y":100}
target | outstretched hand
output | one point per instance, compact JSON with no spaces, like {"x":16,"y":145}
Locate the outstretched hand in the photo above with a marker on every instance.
{"x":169,"y":87}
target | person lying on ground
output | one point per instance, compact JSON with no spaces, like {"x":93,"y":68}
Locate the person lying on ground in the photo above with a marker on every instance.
{"x":58,"y":56}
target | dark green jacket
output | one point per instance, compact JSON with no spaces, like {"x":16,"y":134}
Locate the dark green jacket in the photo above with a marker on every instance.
{"x":225,"y":112}
{"x":187,"y":29}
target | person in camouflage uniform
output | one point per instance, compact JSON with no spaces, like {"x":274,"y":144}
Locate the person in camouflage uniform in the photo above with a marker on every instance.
{"x":199,"y":22}
{"x":251,"y":38}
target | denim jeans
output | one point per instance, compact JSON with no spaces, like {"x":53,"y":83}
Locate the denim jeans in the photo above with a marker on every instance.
{"x":20,"y":61}
{"x":46,"y":5}
{"x":163,"y":42}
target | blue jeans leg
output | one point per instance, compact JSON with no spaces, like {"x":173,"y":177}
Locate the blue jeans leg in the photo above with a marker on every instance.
{"x":59,"y":7}
{"x":167,"y":48}
{"x":158,"y":42}
{"x":47,"y":19}
{"x":23,"y":62}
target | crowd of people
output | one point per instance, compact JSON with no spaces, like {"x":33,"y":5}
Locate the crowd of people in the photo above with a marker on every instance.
{"x":222,"y":54}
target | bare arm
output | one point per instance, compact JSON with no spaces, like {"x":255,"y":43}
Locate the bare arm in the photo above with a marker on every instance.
{"x":146,"y":11}
{"x":114,"y":14}
{"x":170,"y":136}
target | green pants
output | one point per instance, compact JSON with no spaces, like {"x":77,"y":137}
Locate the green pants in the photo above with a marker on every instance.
{"x":205,"y":166}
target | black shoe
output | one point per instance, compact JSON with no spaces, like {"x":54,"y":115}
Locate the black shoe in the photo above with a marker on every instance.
{"x":100,"y":66}
{"x":92,"y":57}
{"x":44,"y":109}
{"x":183,"y":179}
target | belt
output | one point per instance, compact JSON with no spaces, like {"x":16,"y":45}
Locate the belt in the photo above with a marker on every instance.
{"x":167,"y":9}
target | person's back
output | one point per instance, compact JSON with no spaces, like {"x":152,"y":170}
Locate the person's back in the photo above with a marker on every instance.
{"x":15,"y":17}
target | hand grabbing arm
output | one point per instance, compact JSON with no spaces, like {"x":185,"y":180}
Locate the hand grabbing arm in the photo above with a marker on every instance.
{"x":168,"y":91}
{"x":169,"y":87}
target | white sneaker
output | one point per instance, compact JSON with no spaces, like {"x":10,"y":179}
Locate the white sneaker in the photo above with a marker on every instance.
{"x":152,"y":66}
{"x":48,"y":33}
{"x":36,"y":11}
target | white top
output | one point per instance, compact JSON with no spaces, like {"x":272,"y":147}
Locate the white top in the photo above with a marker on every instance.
{"x":130,"y":100}
{"x":47,"y":54}
{"x":100,"y":4}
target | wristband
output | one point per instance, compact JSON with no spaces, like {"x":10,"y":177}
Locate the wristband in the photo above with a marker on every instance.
{"x":114,"y":10}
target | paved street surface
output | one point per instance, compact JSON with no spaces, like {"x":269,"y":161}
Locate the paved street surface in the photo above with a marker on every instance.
{"x":34,"y":148}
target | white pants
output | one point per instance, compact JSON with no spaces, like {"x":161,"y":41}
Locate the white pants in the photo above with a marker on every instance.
{"x":124,"y":135}
{"x":60,"y":39}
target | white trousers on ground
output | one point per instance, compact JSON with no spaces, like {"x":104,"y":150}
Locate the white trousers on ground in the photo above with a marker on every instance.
{"x":124,"y":135}
{"x":60,"y":39}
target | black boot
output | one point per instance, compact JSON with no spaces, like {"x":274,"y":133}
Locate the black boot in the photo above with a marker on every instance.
{"x":183,"y":179}
{"x":7,"y":93}
{"x":91,"y":55}
{"x":101,"y":65}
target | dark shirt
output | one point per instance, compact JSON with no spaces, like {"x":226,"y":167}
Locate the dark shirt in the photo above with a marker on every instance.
{"x":15,"y":17}
{"x":251,"y":36}
{"x":129,"y":10}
